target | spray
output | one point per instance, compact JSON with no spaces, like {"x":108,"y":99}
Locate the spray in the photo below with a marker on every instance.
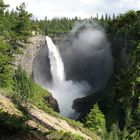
{"x":64,"y":91}
{"x":87,"y":55}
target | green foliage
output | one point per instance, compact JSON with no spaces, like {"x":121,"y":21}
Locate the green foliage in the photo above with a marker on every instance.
{"x":22,"y":29}
{"x":95,"y":120}
{"x":124,"y":29}
{"x":2,"y":7}
{"x":15,"y":26}
{"x":61,"y":135}
{"x":112,"y":116}
{"x":56,"y":26}
{"x":130,"y":96}
{"x":114,"y":134}
{"x":2,"y":17}
{"x":124,"y":33}
{"x":12,"y":122}
{"x":23,"y":89}
{"x":5,"y":69}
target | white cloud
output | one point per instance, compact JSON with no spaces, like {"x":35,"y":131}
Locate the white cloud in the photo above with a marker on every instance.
{"x":72,"y":8}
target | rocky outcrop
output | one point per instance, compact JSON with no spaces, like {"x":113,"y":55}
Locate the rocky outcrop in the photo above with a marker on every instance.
{"x":29,"y":52}
{"x":83,"y":105}
{"x":52,"y":103}
{"x":55,"y":123}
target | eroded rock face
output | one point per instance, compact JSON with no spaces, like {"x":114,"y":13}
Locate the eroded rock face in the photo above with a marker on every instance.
{"x":29,"y":53}
{"x":52,"y":103}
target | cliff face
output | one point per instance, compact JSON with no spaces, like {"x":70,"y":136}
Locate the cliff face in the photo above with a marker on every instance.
{"x":26,"y":60}
{"x":29,"y":52}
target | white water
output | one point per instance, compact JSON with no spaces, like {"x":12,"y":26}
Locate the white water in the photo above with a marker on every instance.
{"x":57,"y":67}
{"x":65,"y":92}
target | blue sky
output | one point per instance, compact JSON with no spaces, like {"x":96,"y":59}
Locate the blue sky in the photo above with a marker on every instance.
{"x":72,"y":8}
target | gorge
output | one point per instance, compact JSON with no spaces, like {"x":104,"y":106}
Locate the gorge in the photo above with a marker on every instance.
{"x":75,"y":67}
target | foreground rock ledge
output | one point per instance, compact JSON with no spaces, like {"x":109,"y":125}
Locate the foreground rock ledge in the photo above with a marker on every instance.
{"x":41,"y":118}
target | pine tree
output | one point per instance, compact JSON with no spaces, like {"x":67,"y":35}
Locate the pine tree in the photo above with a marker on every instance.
{"x":23,"y":25}
{"x":114,"y":17}
{"x":115,"y":133}
{"x":22,"y":87}
{"x":95,"y":120}
{"x":102,"y":18}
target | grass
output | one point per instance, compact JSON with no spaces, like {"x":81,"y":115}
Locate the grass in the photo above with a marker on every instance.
{"x":39,"y":93}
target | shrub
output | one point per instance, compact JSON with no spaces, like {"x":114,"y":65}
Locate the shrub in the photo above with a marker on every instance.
{"x":22,"y":88}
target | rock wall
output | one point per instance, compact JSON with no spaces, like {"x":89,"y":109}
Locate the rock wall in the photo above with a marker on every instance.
{"x":29,"y":52}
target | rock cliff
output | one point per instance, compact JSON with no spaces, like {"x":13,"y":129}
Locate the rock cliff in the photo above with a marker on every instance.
{"x":29,"y":52}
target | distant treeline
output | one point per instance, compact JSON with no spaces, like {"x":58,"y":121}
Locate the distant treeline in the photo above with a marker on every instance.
{"x":61,"y":26}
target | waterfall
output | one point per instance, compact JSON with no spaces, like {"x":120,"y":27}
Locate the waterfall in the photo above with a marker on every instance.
{"x":65,"y":92}
{"x":57,"y":67}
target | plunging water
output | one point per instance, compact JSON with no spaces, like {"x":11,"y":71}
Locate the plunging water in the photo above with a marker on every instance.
{"x":64,"y":91}
{"x":57,"y":67}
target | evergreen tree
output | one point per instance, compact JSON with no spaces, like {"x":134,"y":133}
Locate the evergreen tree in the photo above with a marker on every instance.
{"x":23,"y":25}
{"x":102,"y":18}
{"x":3,"y":6}
{"x":5,"y":69}
{"x":95,"y":120}
{"x":23,"y":88}
{"x":114,"y":17}
{"x":124,"y":134}
{"x":114,"y":134}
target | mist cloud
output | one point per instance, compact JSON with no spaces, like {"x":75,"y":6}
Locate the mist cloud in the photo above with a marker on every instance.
{"x":87,"y":57}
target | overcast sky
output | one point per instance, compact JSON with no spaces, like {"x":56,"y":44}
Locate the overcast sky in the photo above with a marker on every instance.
{"x":72,"y":8}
